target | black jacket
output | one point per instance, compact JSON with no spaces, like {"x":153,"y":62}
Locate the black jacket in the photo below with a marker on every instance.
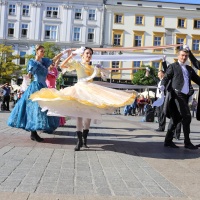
{"x":196,"y":64}
{"x":174,"y":73}
{"x":174,"y":76}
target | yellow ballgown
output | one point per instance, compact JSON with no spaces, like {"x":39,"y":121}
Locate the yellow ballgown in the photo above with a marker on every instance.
{"x":85,"y":99}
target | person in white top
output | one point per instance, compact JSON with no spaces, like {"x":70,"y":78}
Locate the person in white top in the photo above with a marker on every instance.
{"x":160,"y":114}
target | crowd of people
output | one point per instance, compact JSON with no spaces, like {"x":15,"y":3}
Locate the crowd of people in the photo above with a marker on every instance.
{"x":87,"y":101}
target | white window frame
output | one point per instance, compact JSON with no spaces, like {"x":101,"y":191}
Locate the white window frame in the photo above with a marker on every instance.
{"x":136,"y":64}
{"x":115,"y":64}
{"x":26,"y":10}
{"x":76,"y":39}
{"x":22,"y":56}
{"x":158,"y":21}
{"x":91,"y":33}
{"x":157,"y":41}
{"x":52,"y":9}
{"x":24,"y":27}
{"x":138,"y":38}
{"x":12,"y":9}
{"x":78,"y":13}
{"x":195,"y":44}
{"x":92,"y":14}
{"x":11,"y":26}
{"x":52,"y":32}
{"x":139,"y":20}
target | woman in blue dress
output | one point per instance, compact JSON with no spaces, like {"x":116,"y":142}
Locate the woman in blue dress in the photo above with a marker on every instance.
{"x":26,"y":113}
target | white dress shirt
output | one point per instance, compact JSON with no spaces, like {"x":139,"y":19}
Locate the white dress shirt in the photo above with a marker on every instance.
{"x":185,"y":89}
{"x":158,"y":92}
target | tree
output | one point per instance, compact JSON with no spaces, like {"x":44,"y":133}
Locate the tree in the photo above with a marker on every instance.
{"x":139,"y":77}
{"x":8,"y":67}
{"x":51,"y":49}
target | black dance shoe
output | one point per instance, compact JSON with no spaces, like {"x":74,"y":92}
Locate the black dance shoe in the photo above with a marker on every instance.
{"x":171,"y":145}
{"x":191,"y":146}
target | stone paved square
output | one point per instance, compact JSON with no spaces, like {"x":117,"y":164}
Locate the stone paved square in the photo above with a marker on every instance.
{"x":126,"y":160}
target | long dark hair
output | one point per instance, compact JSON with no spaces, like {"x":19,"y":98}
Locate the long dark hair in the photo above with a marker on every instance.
{"x":89,"y":49}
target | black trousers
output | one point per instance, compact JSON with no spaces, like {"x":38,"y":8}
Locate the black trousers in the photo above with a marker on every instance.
{"x":6,"y":101}
{"x":179,"y":112}
{"x":161,"y":117}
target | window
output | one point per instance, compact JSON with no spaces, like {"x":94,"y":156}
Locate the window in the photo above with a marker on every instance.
{"x":117,"y":37}
{"x":90,"y":35}
{"x":115,"y":64}
{"x":77,"y":31}
{"x":158,"y":39}
{"x":77,"y":13}
{"x":24,"y":30}
{"x":22,"y":60}
{"x":52,"y":12}
{"x":181,"y":23}
{"x":138,"y":38}
{"x":12,"y":9}
{"x":25,"y":10}
{"x":118,"y":18}
{"x":10,"y":30}
{"x":91,"y":14}
{"x":180,"y":39}
{"x":158,"y":21}
{"x":139,"y":20}
{"x":195,"y":45}
{"x":51,"y":32}
{"x":136,"y":65}
{"x":156,"y":65}
{"x":138,"y":41}
{"x":197,"y":24}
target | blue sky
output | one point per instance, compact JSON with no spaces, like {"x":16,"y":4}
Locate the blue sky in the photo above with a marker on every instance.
{"x":180,"y":1}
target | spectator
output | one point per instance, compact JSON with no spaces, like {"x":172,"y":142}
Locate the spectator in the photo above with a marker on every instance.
{"x":194,"y":106}
{"x":141,"y":104}
{"x":6,"y":95}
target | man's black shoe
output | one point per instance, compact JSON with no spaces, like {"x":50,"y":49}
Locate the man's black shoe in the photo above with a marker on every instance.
{"x":159,"y":130}
{"x":170,"y":144}
{"x":191,"y":146}
{"x":198,"y":145}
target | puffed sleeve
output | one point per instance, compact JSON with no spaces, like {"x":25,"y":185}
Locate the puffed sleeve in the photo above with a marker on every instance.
{"x":72,"y":65}
{"x":46,"y":62}
{"x":31,"y":67}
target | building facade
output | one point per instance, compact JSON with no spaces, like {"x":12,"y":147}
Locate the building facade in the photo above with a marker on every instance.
{"x":69,"y":24}
{"x":100,"y":23}
{"x":148,"y":23}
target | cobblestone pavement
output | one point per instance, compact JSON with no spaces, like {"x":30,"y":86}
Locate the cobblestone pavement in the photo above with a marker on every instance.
{"x":126,"y":160}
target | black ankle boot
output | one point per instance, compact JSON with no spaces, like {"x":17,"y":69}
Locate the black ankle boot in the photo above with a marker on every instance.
{"x":80,"y":141}
{"x":85,"y":134}
{"x":36,"y":137}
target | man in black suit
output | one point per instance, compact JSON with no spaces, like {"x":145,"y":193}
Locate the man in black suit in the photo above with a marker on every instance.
{"x":180,"y":75}
{"x":196,"y":64}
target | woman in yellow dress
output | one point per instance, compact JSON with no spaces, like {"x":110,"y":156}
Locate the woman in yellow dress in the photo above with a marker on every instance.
{"x":85,"y":100}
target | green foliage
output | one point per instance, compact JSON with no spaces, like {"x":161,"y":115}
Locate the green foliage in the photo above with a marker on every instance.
{"x":139,"y":77}
{"x":59,"y":81}
{"x":51,"y":49}
{"x":8,"y":67}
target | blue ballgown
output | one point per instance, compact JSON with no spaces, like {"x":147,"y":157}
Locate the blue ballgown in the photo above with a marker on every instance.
{"x":27,"y":114}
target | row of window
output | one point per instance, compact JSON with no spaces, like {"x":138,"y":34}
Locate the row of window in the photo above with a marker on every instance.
{"x":158,"y":39}
{"x":52,"y":12}
{"x":159,"y":21}
{"x":51,"y":32}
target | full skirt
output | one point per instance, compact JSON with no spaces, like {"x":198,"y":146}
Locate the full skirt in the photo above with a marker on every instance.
{"x":28,"y":115}
{"x":84,"y":99}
